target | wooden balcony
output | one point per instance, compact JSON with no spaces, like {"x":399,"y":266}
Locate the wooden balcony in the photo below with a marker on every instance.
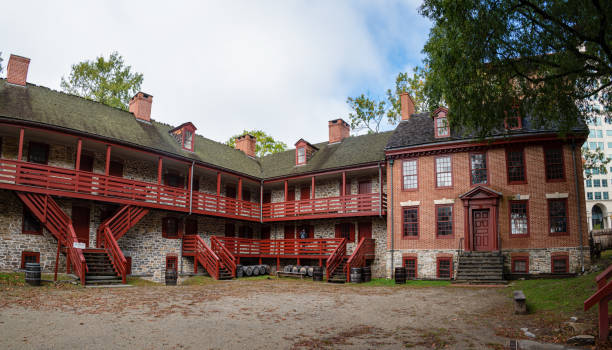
{"x":319,"y":208}
{"x":310,"y":248}
{"x":30,"y":177}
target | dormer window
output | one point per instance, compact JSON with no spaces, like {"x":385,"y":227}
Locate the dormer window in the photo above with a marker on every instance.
{"x":441,"y":124}
{"x":301,"y":155}
{"x":514,"y":121}
{"x":183,"y":134}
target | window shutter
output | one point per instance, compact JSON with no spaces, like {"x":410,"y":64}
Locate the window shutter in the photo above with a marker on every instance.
{"x":352,"y":232}
{"x":338,"y":231}
{"x":164,"y":227}
{"x":311,"y":231}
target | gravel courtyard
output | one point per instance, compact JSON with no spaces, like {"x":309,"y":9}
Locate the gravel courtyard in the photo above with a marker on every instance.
{"x":253,"y":314}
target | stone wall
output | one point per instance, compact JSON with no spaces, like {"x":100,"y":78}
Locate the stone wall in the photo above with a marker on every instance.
{"x":427,"y":264}
{"x":540,"y":259}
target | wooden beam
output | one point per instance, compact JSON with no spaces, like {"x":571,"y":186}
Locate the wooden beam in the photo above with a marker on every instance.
{"x":218,"y":184}
{"x":78,"y":154}
{"x":107,"y":164}
{"x":312,"y":188}
{"x":343,"y":192}
{"x":159,"y":170}
{"x":20,"y":152}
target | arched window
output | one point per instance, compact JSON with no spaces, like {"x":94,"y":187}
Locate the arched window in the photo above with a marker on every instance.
{"x":597,"y":218}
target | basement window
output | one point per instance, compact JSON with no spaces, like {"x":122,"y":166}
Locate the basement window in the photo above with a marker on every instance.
{"x":29,"y":257}
{"x":559,"y":264}
{"x":172,"y":262}
{"x":445,"y":267}
{"x":520,"y":264}
{"x":410,"y":263}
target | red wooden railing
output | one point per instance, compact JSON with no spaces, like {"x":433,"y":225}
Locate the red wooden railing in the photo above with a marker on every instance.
{"x":228,"y":260}
{"x":364,"y":250}
{"x":75,"y":256}
{"x":116,"y":255}
{"x":602,"y":296}
{"x":202,"y":254}
{"x":82,"y":184}
{"x":312,"y":248}
{"x":204,"y":203}
{"x":336,"y":258}
{"x":351,"y":205}
{"x":124,"y":219}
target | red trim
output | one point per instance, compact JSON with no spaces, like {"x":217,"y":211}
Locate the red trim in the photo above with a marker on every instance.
{"x":444,"y":258}
{"x":567,"y":222}
{"x":25,"y":254}
{"x":172,"y":260}
{"x":436,"y":170}
{"x":564,"y":257}
{"x":554,"y":148}
{"x":416,"y":266}
{"x":404,"y":236}
{"x":486,"y":160}
{"x":165,"y":225}
{"x":510,"y":202}
{"x":297,"y":157}
{"x":452,"y":221}
{"x":416,"y":161}
{"x":516,"y":149}
{"x":514,"y":259}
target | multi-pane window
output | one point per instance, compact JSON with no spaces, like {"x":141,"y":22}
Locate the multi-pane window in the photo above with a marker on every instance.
{"x":442,"y":129}
{"x":596,"y":183}
{"x":444,"y":172}
{"x":557,"y":216}
{"x":410,"y":173}
{"x":411,"y":267}
{"x":38,"y":153}
{"x":608,"y":132}
{"x":301,"y":155}
{"x":595,"y":171}
{"x":478,"y":168}
{"x":188,"y":140}
{"x":554,"y":163}
{"x":589,"y":183}
{"x":592,"y":133}
{"x":604,"y":183}
{"x":444,"y":220}
{"x":590,"y":196}
{"x":445,"y":266}
{"x":520,"y":264}
{"x":609,"y":144}
{"x":605,"y":195}
{"x":560,"y":264}
{"x":29,"y":257}
{"x":600,"y":145}
{"x":597,"y":195}
{"x":519,"y":218}
{"x":411,"y":222}
{"x":599,"y":133}
{"x":516,"y":165}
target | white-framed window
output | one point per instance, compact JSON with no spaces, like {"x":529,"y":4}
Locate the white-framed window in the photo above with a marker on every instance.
{"x":410,"y":174}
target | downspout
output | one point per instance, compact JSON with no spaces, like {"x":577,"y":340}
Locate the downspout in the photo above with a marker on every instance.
{"x":380,"y":194}
{"x":390,"y":211}
{"x":579,"y":200}
{"x":191,"y":187}
{"x":260,"y":203}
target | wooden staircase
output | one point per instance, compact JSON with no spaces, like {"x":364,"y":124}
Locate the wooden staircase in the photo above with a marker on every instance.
{"x":210,"y":258}
{"x":100,"y":268}
{"x":340,"y":273}
{"x":480,"y":268}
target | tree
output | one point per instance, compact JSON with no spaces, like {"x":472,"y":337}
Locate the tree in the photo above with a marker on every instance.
{"x":368,"y":112}
{"x":1,"y":61}
{"x":106,"y":81}
{"x":551,"y":59}
{"x":594,"y":161}
{"x":265,"y":143}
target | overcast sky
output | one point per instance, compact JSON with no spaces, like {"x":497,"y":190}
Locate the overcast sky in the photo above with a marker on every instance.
{"x":286,"y":67}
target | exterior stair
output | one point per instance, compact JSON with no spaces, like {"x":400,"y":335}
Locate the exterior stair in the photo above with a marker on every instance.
{"x":100,"y":268}
{"x":339,"y":274}
{"x":480,"y":268}
{"x":224,"y":274}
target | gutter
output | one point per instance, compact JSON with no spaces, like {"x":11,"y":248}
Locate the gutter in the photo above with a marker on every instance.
{"x":390,"y":210}
{"x":579,"y":206}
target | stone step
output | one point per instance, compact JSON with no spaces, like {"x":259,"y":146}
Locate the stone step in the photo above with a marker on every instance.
{"x":105,"y":281}
{"x":99,"y":277}
{"x":480,"y":281}
{"x":101,"y":273}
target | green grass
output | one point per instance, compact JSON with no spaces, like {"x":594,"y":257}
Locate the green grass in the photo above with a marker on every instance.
{"x":18,"y":279}
{"x":410,"y":283}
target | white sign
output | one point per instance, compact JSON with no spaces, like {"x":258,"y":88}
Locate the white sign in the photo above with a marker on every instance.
{"x":78,"y":245}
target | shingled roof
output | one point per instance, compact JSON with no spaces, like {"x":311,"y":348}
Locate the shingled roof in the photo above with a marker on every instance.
{"x":46,"y":107}
{"x":419,"y":131}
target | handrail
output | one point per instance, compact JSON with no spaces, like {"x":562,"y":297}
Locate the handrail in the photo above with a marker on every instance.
{"x":602,"y":296}
{"x":76,"y":257}
{"x":365,"y":247}
{"x":203,"y":254}
{"x":247,"y":247}
{"x":335,"y":259}
{"x":225,"y":256}
{"x":117,"y":258}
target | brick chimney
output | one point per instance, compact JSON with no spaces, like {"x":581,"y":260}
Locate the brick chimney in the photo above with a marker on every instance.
{"x":17,"y":70}
{"x":246,"y":143}
{"x":140,"y":105}
{"x":407,"y":106}
{"x":338,"y":130}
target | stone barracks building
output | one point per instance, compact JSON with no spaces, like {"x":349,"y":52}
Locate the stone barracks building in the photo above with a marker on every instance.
{"x":107,"y":193}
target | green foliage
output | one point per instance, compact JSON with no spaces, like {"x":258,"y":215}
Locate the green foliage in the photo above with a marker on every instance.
{"x":594,"y":160}
{"x":1,"y":61}
{"x":106,"y":81}
{"x":554,"y":57}
{"x":368,"y":112}
{"x":265,"y":144}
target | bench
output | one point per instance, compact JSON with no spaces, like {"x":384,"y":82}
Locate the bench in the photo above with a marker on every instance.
{"x":289,"y":274}
{"x":520,"y":303}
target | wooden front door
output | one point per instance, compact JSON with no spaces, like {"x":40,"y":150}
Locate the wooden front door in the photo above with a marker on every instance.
{"x":304,"y":193}
{"x":482,"y":230}
{"x":80,"y":222}
{"x":365,"y":230}
{"x":365,"y":187}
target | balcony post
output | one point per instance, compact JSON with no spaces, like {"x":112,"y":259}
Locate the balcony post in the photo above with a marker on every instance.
{"x":343,"y":192}
{"x":379,"y":190}
{"x":107,"y":164}
{"x":20,"y":152}
{"x":159,"y":170}
{"x":239,"y":188}
{"x":312,"y":188}
{"x":286,"y":190}
{"x":261,"y":201}
{"x":78,"y":154}
{"x":190,"y":184}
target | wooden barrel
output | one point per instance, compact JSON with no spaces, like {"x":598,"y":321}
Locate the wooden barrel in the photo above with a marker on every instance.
{"x":317,"y":273}
{"x":304,"y":270}
{"x":288,"y":268}
{"x":32,"y":274}
{"x":239,"y":271}
{"x":366,"y":273}
{"x":356,"y":275}
{"x":248,"y":271}
{"x":310,"y":271}
{"x":295,"y":269}
{"x":262,"y":270}
{"x":268,"y":268}
{"x":400,"y":275}
{"x":171,"y":277}
{"x":256,"y":270}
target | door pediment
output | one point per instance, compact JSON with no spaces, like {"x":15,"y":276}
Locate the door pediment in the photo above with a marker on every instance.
{"x":480,"y":192}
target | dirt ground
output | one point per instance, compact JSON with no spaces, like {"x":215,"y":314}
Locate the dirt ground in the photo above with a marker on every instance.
{"x":256,"y":314}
